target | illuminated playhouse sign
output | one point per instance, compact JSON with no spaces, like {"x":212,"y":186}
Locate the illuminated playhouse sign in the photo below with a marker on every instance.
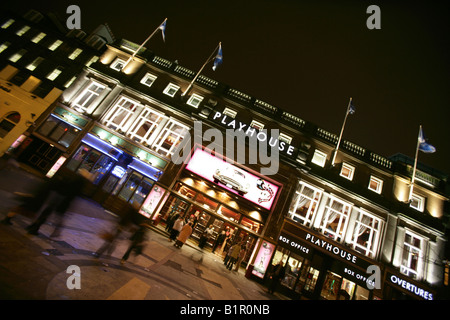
{"x":261,"y":135}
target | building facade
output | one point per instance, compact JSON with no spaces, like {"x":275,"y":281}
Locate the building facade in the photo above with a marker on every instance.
{"x":342,"y":231}
{"x":39,"y":59}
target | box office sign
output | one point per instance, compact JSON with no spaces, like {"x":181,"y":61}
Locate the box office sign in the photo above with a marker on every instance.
{"x":297,"y":246}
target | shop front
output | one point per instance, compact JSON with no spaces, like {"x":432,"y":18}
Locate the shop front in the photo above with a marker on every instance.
{"x":316,"y":267}
{"x":400,"y":287}
{"x":237,"y":209}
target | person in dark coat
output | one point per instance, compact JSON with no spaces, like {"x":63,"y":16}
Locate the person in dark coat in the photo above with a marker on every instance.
{"x":275,"y":276}
{"x":137,"y":245}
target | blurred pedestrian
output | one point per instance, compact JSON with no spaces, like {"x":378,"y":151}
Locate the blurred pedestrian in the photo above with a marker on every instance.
{"x":177,"y":226}
{"x":219,"y":240}
{"x":128,"y":217}
{"x":137,"y":245}
{"x":275,"y":276}
{"x":171,"y":221}
{"x":61,"y":192}
{"x":234,"y":254}
{"x":240,"y":258}
{"x":184,"y":234}
{"x":205,"y":236}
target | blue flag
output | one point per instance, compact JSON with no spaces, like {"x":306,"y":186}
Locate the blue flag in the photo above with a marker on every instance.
{"x":219,"y":58}
{"x":351,"y":109}
{"x":163,"y":30}
{"x":424,"y":146}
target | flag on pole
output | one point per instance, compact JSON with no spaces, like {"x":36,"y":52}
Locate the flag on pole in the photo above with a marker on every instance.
{"x":219,"y":58}
{"x":163,"y":30}
{"x":351,"y":109}
{"x":424,"y":146}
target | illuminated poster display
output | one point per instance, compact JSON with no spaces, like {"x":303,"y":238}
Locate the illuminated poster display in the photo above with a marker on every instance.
{"x":152,"y":201}
{"x":263,"y":259}
{"x":241,"y":182}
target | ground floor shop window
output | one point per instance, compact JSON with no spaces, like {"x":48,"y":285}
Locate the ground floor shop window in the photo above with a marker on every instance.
{"x":133,"y":187}
{"x":90,"y":162}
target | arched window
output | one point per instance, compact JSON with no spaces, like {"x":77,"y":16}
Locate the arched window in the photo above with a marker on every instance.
{"x":8,"y":122}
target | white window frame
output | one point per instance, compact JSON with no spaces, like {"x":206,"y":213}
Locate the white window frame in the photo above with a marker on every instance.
{"x":330,"y":215}
{"x":55,"y":45}
{"x":37,"y":38}
{"x":171,"y":89}
{"x":319,"y":158}
{"x":195,"y":100}
{"x":75,"y":53}
{"x":351,"y":171}
{"x":420,"y":202}
{"x":148,"y":76}
{"x":285,"y":138}
{"x":301,"y":200}
{"x":117,"y":110}
{"x":257,"y":125}
{"x":230,"y":113}
{"x":118,"y":64}
{"x":23,"y":30}
{"x":378,"y":182}
{"x":370,"y":226}
{"x":409,"y":252}
{"x":168,"y":129}
{"x":144,"y":118}
{"x":88,"y":95}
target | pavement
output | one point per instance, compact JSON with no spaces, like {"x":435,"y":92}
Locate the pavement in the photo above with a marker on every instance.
{"x":36,"y":267}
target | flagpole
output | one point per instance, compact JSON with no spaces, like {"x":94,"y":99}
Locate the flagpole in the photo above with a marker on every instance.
{"x":201,"y":69}
{"x":143,"y":44}
{"x":342,"y":131}
{"x":415,"y":166}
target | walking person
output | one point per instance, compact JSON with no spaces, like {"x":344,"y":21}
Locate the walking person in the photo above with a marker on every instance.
{"x":205,"y":236}
{"x":176,"y":228}
{"x":234,"y":254}
{"x":137,"y":240}
{"x":219,"y":240}
{"x":184,"y":234}
{"x":240,"y":257}
{"x":275,"y":276}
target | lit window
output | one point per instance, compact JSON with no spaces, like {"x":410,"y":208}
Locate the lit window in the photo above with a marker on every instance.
{"x":335,"y":218}
{"x":54,"y":74}
{"x":195,"y":100}
{"x":229,"y":113}
{"x":22,"y":30}
{"x":285,"y":138}
{"x":120,"y":113}
{"x":33,"y":65}
{"x":375,"y":184}
{"x":347,"y":171}
{"x":417,"y":202}
{"x":7,"y":23}
{"x":88,"y":96}
{"x":38,"y":37}
{"x":4,"y":46}
{"x":75,"y":54}
{"x":55,"y":45}
{"x":148,"y":79}
{"x":257,"y":125}
{"x":118,"y":64}
{"x":319,"y":158}
{"x":366,"y":234}
{"x":412,"y":257}
{"x":91,"y":61}
{"x":305,"y":204}
{"x":16,"y":56}
{"x":145,"y":126}
{"x":169,"y":138}
{"x":8,"y":122}
{"x":69,"y":83}
{"x":171,"y":89}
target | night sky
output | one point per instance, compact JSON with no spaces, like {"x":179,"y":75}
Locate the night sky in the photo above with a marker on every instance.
{"x":308,"y":58}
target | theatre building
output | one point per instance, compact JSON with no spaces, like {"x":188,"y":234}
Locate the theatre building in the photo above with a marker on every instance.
{"x":256,"y":174}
